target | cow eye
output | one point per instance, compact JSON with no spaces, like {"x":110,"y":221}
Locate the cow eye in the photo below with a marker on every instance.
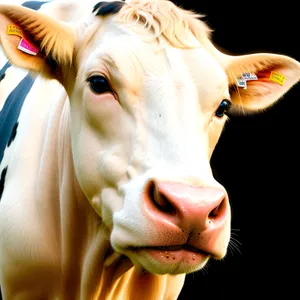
{"x":99,"y":84}
{"x":223,"y":108}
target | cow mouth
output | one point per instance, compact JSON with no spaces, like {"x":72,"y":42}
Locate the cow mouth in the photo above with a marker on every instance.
{"x":173,"y":259}
{"x":177,"y":252}
{"x":186,"y":247}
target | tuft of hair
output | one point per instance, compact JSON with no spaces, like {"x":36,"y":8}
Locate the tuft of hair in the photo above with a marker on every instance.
{"x":163,"y":17}
{"x":48,"y":34}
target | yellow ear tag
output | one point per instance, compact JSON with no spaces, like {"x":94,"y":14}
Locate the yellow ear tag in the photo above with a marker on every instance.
{"x":14,"y":30}
{"x":277,"y":77}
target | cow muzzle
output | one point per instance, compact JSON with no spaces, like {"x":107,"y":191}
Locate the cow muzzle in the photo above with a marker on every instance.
{"x":200,"y":213}
{"x":187,"y":225}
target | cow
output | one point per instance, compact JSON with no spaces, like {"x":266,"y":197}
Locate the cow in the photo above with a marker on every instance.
{"x":110,"y":113}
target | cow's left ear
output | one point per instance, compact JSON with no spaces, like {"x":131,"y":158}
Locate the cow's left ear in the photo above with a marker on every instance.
{"x":258,"y":80}
{"x":35,"y":41}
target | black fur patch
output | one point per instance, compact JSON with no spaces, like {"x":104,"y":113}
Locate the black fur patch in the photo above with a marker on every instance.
{"x":2,"y":73}
{"x":106,"y":8}
{"x":2,"y":181}
{"x":13,"y":134}
{"x":11,"y":109}
{"x":2,"y":76}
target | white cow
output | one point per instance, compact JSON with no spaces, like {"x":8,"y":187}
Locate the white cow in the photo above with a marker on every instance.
{"x":106,"y":187}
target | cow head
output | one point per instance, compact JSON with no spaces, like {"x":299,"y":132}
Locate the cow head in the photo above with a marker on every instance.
{"x":149,"y":95}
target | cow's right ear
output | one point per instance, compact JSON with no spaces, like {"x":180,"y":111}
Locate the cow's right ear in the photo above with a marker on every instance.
{"x":35,"y":41}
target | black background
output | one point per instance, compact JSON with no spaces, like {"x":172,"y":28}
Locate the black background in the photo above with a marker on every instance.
{"x":257,"y":161}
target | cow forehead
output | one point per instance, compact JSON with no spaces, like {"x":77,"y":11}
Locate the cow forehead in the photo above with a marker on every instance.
{"x":136,"y":63}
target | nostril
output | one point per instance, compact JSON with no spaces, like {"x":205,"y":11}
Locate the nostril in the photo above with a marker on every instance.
{"x":191,"y":207}
{"x":158,"y":199}
{"x":218,"y":211}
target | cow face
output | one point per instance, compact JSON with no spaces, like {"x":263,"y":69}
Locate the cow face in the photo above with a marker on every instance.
{"x":144,"y":124}
{"x":148,"y":102}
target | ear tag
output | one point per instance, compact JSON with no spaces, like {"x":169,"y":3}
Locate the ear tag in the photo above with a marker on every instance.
{"x":28,"y":47}
{"x":249,"y":76}
{"x":24,"y":45}
{"x":241,"y":82}
{"x":277,"y":77}
{"x":14,"y":30}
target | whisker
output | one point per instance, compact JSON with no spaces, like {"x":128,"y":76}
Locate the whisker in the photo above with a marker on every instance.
{"x":234,"y":246}
{"x":236,"y":241}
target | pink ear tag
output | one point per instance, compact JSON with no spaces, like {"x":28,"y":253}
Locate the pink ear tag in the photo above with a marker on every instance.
{"x":28,"y":47}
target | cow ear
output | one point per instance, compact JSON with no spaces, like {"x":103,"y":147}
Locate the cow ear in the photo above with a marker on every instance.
{"x":258,"y":80}
{"x":35,"y":41}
